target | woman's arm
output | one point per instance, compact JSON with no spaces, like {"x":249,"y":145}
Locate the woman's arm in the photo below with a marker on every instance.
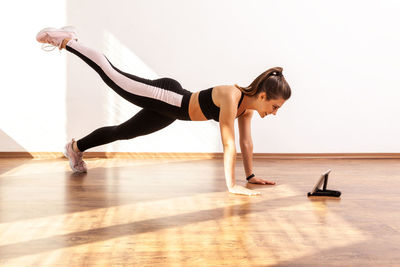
{"x":228,"y":107}
{"x":246,"y":142}
{"x":226,"y":123}
{"x":246,"y":146}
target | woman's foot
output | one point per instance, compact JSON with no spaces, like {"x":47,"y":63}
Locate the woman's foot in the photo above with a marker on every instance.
{"x":75,"y":158}
{"x":54,"y":37}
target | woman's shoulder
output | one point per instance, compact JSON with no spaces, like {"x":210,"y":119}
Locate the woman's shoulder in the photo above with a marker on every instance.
{"x":226,"y":92}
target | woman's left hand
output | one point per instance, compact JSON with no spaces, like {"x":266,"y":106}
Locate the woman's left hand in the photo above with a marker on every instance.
{"x":256,"y":180}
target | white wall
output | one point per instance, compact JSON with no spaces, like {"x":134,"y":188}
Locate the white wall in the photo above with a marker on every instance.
{"x":341,"y":59}
{"x":33,"y":83}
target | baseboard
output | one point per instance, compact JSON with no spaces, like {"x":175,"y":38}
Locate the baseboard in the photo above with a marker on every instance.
{"x":163,"y":155}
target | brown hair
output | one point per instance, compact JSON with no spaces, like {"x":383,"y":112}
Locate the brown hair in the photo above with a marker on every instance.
{"x":271,"y":82}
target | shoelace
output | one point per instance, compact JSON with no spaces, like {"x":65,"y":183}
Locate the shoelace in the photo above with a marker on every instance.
{"x":80,"y":163}
{"x":48,"y":47}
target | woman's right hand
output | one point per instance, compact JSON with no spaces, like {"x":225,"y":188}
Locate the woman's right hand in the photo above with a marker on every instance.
{"x":238,"y":189}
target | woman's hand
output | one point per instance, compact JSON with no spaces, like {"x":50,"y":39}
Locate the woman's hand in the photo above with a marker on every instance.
{"x":238,"y":189}
{"x":256,"y":180}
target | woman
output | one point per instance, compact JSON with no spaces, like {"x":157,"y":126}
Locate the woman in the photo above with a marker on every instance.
{"x":164,"y":100}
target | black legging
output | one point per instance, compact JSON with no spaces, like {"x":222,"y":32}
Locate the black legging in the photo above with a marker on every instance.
{"x":163,"y":100}
{"x":144,"y":122}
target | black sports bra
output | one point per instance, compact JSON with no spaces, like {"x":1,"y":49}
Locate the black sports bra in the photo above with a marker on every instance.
{"x":209,"y":109}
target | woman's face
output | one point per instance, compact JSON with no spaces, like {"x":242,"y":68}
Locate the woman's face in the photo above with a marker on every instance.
{"x":266,"y":107}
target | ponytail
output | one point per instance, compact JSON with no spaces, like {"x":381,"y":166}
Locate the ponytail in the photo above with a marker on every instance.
{"x":271,"y":82}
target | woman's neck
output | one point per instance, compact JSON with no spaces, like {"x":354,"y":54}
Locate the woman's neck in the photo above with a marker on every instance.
{"x":248,"y":102}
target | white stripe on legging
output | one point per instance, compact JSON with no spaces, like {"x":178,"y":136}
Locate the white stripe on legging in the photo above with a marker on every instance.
{"x":129,"y":85}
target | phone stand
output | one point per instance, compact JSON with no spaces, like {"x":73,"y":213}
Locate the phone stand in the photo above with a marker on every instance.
{"x":323,"y":192}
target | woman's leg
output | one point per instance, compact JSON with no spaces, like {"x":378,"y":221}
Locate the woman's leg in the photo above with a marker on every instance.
{"x":143,"y":123}
{"x":149,"y":94}
{"x":163,"y":95}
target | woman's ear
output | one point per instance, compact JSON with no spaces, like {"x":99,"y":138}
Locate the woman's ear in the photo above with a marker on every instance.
{"x":262,"y":96}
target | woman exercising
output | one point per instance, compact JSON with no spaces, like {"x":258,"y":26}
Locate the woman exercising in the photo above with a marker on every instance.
{"x":164,"y":100}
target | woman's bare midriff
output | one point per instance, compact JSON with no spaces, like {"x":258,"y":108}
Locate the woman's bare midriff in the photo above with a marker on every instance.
{"x":195,"y":112}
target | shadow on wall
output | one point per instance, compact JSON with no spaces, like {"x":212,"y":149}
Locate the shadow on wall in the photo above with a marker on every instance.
{"x":135,"y":43}
{"x":9,"y":144}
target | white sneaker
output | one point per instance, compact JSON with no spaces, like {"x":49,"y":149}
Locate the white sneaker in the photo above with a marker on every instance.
{"x":52,"y":37}
{"x":75,"y":158}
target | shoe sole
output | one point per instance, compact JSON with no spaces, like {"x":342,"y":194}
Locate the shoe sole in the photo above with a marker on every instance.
{"x":69,"y":29}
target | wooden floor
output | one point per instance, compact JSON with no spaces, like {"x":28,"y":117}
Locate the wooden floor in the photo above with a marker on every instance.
{"x":127,"y":212}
